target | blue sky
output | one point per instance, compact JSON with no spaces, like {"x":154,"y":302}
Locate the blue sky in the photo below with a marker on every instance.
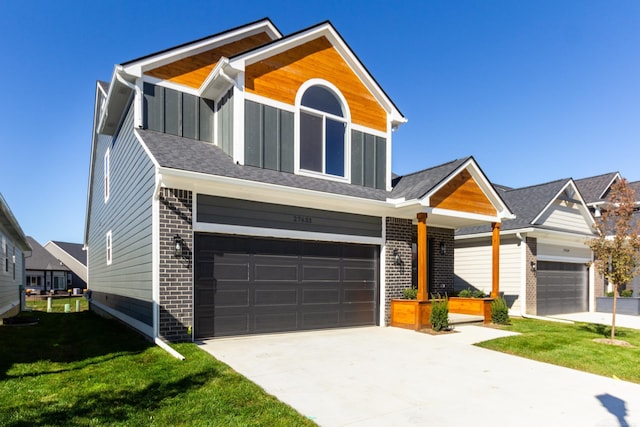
{"x":534,"y":90}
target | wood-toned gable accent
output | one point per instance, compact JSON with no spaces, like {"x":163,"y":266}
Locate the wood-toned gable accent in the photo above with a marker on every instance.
{"x":280,"y":76}
{"x":192,"y":71}
{"x":462,"y":193}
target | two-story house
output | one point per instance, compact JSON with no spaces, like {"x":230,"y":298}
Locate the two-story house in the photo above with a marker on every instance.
{"x":241,"y":184}
{"x":13,"y":245}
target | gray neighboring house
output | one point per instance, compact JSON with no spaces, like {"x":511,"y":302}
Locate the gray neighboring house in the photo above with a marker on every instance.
{"x":241,"y":184}
{"x":74,"y":257}
{"x":45,"y":273}
{"x":595,"y":191}
{"x":545,"y":264}
{"x":13,"y":245}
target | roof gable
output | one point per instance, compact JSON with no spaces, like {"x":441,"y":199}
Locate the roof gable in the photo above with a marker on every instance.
{"x":462,"y":193}
{"x":594,"y":189}
{"x":41,"y":259}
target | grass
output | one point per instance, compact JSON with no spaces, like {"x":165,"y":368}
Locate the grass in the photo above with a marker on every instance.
{"x":57,"y":303}
{"x":572,"y":346}
{"x":75,"y":369}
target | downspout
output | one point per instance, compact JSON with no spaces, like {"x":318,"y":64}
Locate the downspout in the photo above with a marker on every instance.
{"x":156,"y":316}
{"x":137,"y":106}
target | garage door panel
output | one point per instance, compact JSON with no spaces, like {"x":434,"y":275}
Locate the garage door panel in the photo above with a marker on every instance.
{"x":321,"y":296}
{"x":271,"y":297}
{"x":278,"y":273}
{"x":562,"y":288}
{"x":283,"y":285}
{"x":320,"y":273}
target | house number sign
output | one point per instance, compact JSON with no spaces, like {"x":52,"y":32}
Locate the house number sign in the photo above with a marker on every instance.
{"x":303,"y":219}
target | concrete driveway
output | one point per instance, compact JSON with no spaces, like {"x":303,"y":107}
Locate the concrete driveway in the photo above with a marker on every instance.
{"x":393,"y":377}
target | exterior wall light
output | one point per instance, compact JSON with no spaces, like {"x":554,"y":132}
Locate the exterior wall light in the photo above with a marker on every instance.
{"x":533,"y":266}
{"x":178,"y":246}
{"x":443,"y":248}
{"x":396,"y":257}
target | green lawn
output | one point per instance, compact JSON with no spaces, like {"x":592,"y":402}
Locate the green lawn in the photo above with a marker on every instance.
{"x":572,"y":345}
{"x":80,"y":369}
{"x":57,"y":303}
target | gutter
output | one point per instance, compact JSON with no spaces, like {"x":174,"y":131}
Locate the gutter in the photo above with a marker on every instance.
{"x":166,"y":347}
{"x":137,"y":105}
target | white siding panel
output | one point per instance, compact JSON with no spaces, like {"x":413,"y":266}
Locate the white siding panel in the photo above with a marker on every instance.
{"x":554,"y":251}
{"x":565,"y":216}
{"x":511,"y":274}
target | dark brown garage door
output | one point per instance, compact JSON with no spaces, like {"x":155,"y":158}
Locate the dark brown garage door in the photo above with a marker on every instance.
{"x":251,"y":286}
{"x":562,"y":288}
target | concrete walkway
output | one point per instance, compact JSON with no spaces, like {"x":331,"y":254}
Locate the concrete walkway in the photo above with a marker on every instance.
{"x":393,"y":377}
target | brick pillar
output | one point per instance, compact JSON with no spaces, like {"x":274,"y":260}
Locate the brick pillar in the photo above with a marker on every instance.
{"x":176,"y":272}
{"x":531,"y":276}
{"x":397,"y":277}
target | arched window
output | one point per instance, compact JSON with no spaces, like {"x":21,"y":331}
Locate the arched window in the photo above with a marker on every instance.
{"x":323,"y":129}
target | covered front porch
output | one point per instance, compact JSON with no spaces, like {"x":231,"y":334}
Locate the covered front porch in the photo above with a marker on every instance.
{"x":462,"y":197}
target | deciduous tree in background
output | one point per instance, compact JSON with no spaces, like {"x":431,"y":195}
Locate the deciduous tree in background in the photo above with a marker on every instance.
{"x":617,"y":248}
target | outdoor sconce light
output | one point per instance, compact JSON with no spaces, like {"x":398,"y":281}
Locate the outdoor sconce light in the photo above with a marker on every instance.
{"x":178,"y":246}
{"x":443,"y":248}
{"x":396,"y":257}
{"x":533,"y":266}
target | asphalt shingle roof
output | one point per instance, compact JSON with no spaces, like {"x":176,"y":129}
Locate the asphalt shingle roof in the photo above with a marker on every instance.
{"x":593,"y":187}
{"x":75,"y":250}
{"x":415,"y":185}
{"x":41,"y":259}
{"x":526,"y":203}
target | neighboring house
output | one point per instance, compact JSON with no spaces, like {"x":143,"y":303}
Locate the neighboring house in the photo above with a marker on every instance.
{"x":595,"y":191}
{"x":74,"y":257}
{"x":45,"y":273}
{"x":13,"y":245}
{"x":545,"y":263}
{"x":241,"y":184}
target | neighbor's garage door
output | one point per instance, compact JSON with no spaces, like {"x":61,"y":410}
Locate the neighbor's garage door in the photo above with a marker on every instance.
{"x":562,"y":288}
{"x":250,"y":286}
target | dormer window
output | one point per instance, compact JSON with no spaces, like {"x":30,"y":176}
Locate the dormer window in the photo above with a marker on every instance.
{"x":323,"y":132}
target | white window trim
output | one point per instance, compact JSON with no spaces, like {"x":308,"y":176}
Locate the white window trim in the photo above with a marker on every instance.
{"x":347,"y":137}
{"x":107,"y":174}
{"x":109,"y":247}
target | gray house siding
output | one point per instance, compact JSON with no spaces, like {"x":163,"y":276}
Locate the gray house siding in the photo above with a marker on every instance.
{"x":368,"y":160}
{"x":225,"y":123}
{"x":169,"y":111}
{"x":268,"y":137}
{"x":126,"y":285}
{"x":221,"y":210}
{"x":11,"y":275}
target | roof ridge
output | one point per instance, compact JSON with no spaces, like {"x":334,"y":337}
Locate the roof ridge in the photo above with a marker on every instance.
{"x":540,"y":185}
{"x":597,"y":176}
{"x":434,"y":167}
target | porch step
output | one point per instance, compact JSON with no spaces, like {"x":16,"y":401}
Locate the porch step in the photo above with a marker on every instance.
{"x":462,"y":319}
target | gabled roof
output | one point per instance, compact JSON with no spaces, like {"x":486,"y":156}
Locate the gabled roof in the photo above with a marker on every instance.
{"x":75,"y":250}
{"x":41,"y":259}
{"x":416,"y":185}
{"x":11,"y":225}
{"x":528,"y":204}
{"x":635,"y":186}
{"x":594,"y":189}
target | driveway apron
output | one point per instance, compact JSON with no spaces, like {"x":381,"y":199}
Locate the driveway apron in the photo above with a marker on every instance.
{"x":377,"y":376}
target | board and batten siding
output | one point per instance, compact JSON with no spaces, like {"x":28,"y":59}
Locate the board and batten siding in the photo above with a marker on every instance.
{"x":11,"y":278}
{"x":126,"y":284}
{"x":472,"y":268}
{"x":565,"y":216}
{"x":269,"y":137}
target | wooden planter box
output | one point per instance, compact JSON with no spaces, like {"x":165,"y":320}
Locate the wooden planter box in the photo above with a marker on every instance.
{"x":410,"y":314}
{"x":473,"y":306}
{"x":626,"y":305}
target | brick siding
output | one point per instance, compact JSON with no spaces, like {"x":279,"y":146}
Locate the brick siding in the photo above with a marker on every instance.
{"x":397,"y":277}
{"x":531,"y":276}
{"x":176,"y":273}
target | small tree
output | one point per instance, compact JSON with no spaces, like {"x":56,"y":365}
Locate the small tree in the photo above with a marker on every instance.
{"x":616,"y":248}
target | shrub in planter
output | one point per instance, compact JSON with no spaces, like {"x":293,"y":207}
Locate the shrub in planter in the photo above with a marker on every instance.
{"x":439,"y":313}
{"x":410,"y":293}
{"x":627,"y":293}
{"x":499,"y":312}
{"x":609,"y":294}
{"x":469,"y":293}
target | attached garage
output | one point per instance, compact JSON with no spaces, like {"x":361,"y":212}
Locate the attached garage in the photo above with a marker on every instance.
{"x":248,"y":285}
{"x":562,"y":288}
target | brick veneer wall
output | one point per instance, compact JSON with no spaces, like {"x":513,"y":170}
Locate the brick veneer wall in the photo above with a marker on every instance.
{"x":176,"y":273}
{"x":397,"y":278}
{"x":531,"y":276}
{"x":442,"y":265}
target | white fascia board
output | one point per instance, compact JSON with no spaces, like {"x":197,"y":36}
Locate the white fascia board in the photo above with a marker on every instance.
{"x":489,"y":233}
{"x":583,"y":206}
{"x":565,"y":236}
{"x":269,"y":193}
{"x":284,"y":234}
{"x":240,"y":62}
{"x":615,"y":177}
{"x":461,"y":215}
{"x":555,"y":258}
{"x":137,"y":68}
